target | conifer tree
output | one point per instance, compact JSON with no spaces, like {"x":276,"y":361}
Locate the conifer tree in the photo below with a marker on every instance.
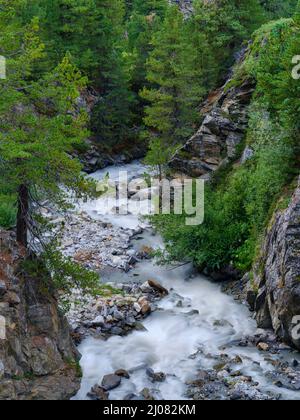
{"x":175,"y":92}
{"x":39,"y":125}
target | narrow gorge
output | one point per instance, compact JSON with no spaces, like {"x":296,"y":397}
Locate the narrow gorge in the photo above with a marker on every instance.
{"x":106,"y":292}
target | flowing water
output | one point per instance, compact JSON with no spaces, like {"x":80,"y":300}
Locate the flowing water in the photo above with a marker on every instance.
{"x":195,"y":323}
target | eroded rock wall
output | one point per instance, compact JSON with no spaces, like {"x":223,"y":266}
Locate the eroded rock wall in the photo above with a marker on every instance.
{"x":38,"y":360}
{"x":222,"y":131}
{"x":277,"y":275}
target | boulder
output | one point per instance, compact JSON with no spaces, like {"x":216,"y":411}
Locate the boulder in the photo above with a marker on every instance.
{"x":158,"y":287}
{"x":110,"y":382}
{"x":122,"y":373}
{"x":97,"y":393}
{"x":155,"y":376}
{"x":263,"y":346}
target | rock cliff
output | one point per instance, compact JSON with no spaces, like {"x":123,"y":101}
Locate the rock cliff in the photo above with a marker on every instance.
{"x":277,"y":275}
{"x":222,"y":131}
{"x":38,"y":360}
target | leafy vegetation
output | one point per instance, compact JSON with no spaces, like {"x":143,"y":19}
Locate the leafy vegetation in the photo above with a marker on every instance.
{"x":239,"y":208}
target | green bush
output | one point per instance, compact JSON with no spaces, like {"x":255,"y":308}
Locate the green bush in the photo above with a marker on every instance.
{"x":7,"y":211}
{"x":238,"y":210}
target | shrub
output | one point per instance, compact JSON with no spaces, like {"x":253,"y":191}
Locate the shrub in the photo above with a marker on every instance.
{"x":7,"y":211}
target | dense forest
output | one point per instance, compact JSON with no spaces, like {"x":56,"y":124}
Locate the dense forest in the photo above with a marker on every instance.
{"x":152,"y":67}
{"x":86,"y":79}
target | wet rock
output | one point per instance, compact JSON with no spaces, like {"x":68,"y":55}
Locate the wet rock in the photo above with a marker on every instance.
{"x":133,"y":397}
{"x":118,"y":315}
{"x":98,"y":321}
{"x":122,"y":373}
{"x":155,"y":376}
{"x":140,"y":327}
{"x":222,"y":323}
{"x":147,"y":394}
{"x":158,"y":287}
{"x":192,"y":313}
{"x":144,"y":305}
{"x":98,"y":393}
{"x":237,"y":360}
{"x":263,"y":346}
{"x":3,"y":288}
{"x":110,"y":382}
{"x":116,"y":331}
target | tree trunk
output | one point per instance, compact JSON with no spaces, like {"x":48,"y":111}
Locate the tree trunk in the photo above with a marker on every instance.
{"x":22,"y":218}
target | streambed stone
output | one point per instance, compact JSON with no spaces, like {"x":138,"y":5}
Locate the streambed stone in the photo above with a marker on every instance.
{"x":110,"y":382}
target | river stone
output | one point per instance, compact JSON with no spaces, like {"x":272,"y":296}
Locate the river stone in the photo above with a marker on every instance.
{"x":98,"y":393}
{"x":122,"y":373}
{"x":98,"y":321}
{"x":155,"y":376}
{"x":158,"y":287}
{"x":110,"y":382}
{"x":145,"y":287}
{"x":147,"y":394}
{"x":263,"y":346}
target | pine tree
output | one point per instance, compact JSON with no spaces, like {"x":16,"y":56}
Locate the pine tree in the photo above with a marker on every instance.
{"x":175,"y":91}
{"x":39,"y":125}
{"x":217,"y":31}
{"x":144,"y":21}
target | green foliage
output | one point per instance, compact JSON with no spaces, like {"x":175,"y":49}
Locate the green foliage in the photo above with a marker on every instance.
{"x":174,"y":92}
{"x":236,"y":213}
{"x":217,"y":31}
{"x":277,"y":9}
{"x":7,"y":211}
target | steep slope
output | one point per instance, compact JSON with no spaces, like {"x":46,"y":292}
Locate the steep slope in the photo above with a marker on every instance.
{"x":252,"y":208}
{"x":38,"y":360}
{"x":222,"y":131}
{"x":277,"y":275}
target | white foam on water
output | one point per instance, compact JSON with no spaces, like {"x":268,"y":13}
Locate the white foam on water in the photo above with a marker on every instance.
{"x":173,"y":333}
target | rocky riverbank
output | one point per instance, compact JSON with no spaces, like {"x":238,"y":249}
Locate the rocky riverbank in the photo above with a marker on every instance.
{"x":229,"y":378}
{"x":117,"y":314}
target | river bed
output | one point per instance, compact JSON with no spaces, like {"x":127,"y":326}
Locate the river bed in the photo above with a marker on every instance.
{"x":194,"y":327}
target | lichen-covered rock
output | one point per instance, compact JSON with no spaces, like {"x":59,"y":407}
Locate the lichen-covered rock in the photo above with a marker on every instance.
{"x":38,"y":359}
{"x":278,"y":274}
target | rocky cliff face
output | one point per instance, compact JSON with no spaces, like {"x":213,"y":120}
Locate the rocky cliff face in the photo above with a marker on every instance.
{"x":185,"y":5}
{"x":222,"y":131}
{"x":277,"y":275}
{"x":38,"y":360}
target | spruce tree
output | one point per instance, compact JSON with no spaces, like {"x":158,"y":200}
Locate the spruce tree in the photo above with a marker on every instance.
{"x":39,"y":124}
{"x":175,"y":92}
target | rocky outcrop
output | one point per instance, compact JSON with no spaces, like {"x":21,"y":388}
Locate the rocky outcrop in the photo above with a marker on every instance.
{"x":186,"y":6}
{"x":277,"y":275}
{"x":222,"y":131}
{"x":38,"y":360}
{"x":94,"y":158}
